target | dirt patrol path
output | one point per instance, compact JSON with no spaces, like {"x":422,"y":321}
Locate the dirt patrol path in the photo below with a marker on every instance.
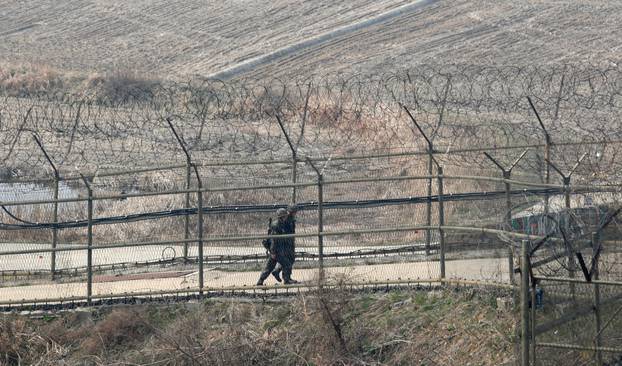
{"x":489,"y":269}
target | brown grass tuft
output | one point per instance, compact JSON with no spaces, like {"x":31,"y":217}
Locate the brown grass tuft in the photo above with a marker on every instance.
{"x":120,"y":329}
{"x":29,"y":79}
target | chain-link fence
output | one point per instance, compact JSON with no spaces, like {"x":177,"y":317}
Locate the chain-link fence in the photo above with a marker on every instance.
{"x":108,"y":239}
{"x":431,"y":175}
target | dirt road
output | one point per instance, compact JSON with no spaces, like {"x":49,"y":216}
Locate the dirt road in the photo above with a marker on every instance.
{"x":493,"y":269}
{"x":78,"y":258}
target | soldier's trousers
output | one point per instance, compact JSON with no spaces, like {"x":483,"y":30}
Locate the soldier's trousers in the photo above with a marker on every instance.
{"x":291,"y":256}
{"x":285,"y":264}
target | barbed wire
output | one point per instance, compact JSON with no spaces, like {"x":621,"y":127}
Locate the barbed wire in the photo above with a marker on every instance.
{"x":457,"y":105}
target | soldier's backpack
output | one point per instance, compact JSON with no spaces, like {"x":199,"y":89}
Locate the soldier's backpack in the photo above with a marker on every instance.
{"x":267,"y":241}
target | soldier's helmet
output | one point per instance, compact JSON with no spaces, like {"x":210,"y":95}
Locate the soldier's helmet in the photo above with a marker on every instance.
{"x":281,"y":212}
{"x":292,"y":209}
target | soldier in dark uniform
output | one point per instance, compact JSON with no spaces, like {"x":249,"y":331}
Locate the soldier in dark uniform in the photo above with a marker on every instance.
{"x":279,"y":252}
{"x":291,"y":248}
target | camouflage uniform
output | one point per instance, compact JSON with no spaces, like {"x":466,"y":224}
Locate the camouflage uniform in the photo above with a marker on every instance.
{"x":279,"y":247}
{"x":291,"y":248}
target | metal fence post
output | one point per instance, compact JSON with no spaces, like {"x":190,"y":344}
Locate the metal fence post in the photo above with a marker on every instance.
{"x":294,"y":175}
{"x":200,"y":229}
{"x":441,"y":221}
{"x":547,"y":155}
{"x":508,"y":219}
{"x":320,"y":212}
{"x":320,"y":208}
{"x":532,"y":328}
{"x":547,"y":179}
{"x":89,"y":234}
{"x":428,"y":211}
{"x":524,"y":301}
{"x":572,"y":264}
{"x":507,"y":174}
{"x":199,"y":201}
{"x":55,"y":212}
{"x":294,"y":151}
{"x":55,"y":229}
{"x":187,"y":216}
{"x":597,"y":315}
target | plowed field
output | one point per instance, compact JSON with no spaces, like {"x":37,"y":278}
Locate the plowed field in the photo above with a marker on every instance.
{"x":175,"y":39}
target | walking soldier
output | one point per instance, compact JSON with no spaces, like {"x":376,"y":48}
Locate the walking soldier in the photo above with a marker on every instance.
{"x":290,"y":251}
{"x":279,"y":252}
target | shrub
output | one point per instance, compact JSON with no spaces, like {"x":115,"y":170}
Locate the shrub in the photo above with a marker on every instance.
{"x":29,"y":79}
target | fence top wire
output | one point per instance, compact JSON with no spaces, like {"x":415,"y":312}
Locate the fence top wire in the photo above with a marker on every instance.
{"x":571,"y":188}
{"x":337,"y":117}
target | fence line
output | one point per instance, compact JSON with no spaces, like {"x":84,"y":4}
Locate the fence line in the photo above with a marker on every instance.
{"x":440,"y":151}
{"x":565,"y":188}
{"x":273,"y":133}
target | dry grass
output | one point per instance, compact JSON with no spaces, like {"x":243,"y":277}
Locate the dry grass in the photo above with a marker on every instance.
{"x":335,"y":328}
{"x":29,"y":79}
{"x":120,"y":86}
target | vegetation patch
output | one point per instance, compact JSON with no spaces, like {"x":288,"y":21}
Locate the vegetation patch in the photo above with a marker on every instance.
{"x":336,"y":327}
{"x":32,"y":80}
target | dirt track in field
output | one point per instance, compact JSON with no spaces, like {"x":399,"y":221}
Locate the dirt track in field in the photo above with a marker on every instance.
{"x":494,"y":270}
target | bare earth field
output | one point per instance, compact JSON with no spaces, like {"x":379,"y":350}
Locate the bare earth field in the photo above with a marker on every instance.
{"x":177,"y":39}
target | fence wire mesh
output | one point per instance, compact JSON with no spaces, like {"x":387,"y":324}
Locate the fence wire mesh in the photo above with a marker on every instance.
{"x":430,"y":174}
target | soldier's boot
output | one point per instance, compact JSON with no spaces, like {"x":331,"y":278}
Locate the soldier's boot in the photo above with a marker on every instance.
{"x":277,"y":275}
{"x":261,"y":279}
{"x":287,"y":276}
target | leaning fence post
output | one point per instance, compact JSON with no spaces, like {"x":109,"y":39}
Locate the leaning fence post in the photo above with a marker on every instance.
{"x":89,"y":251}
{"x":524,"y":301}
{"x":597,"y":315}
{"x":441,"y":221}
{"x":507,"y":174}
{"x":547,"y":155}
{"x":55,"y":212}
{"x":572,"y":264}
{"x":294,"y":151}
{"x":199,"y":201}
{"x":428,"y":211}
